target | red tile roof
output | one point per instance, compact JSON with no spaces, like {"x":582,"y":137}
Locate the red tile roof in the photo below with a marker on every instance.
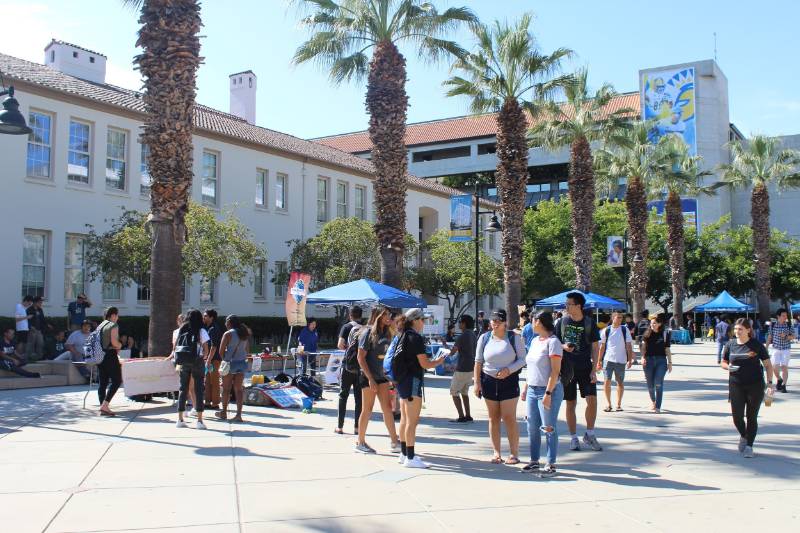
{"x":450,"y":129}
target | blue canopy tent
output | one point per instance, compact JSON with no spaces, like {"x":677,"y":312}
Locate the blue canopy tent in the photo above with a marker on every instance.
{"x":795,"y":308}
{"x":724,"y":303}
{"x":593,"y":301}
{"x":365,"y":291}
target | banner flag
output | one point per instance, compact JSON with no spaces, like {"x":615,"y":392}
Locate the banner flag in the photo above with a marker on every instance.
{"x":461,"y":218}
{"x":296,"y":298}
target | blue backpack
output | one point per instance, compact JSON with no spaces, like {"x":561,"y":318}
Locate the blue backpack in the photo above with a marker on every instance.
{"x":389,"y":367}
{"x":509,"y":334}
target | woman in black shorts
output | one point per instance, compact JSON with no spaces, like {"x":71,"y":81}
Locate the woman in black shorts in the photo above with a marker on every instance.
{"x":499,"y":357}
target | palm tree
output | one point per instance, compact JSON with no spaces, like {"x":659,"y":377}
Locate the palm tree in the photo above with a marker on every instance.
{"x":638,"y":160}
{"x":343,"y":32}
{"x":583,"y":120}
{"x":757,"y":165}
{"x":168,"y":62}
{"x":680,"y":176}
{"x":507,"y":74}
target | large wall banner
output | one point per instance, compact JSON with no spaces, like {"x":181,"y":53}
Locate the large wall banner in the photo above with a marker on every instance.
{"x":461,"y":218}
{"x":668,"y":99}
{"x":296,"y":298}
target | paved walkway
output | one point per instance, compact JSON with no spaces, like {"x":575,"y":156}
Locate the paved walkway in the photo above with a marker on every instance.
{"x":63,"y":469}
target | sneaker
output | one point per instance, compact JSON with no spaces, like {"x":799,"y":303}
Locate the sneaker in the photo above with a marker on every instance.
{"x":416,"y":462}
{"x":364,"y":448}
{"x":591,"y":441}
{"x":469,"y":419}
{"x":742,"y":444}
{"x":531,"y":468}
{"x":200,"y":425}
{"x":779,"y":385}
{"x":401,"y":460}
{"x":548,"y":471}
{"x":180,"y":424}
{"x":459,"y":420}
{"x":783,"y":388}
{"x":748,"y":452}
{"x":575,"y":444}
{"x":193,"y":413}
{"x":395,"y":446}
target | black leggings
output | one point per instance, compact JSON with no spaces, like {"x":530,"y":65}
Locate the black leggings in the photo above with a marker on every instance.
{"x":746,"y":399}
{"x":349,"y":380}
{"x":196,"y":371}
{"x":110,"y":370}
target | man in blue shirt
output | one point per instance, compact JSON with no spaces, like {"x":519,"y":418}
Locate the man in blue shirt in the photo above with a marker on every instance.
{"x":309,"y":337}
{"x":77,"y":312}
{"x":527,"y":329}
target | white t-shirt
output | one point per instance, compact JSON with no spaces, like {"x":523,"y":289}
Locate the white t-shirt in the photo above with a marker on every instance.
{"x":77,"y":338}
{"x":538,"y":359}
{"x":20,"y":312}
{"x":616,"y":349}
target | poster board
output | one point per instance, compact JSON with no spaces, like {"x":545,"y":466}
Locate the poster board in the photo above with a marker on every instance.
{"x":434,"y":320}
{"x":331,"y":374}
{"x":149,"y":376}
{"x":286,"y":398}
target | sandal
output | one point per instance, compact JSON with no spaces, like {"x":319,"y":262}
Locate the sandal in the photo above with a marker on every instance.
{"x":608,"y":409}
{"x":620,"y":409}
{"x":496,"y":460}
{"x":512,"y":460}
{"x":338,"y":431}
{"x":222,"y":415}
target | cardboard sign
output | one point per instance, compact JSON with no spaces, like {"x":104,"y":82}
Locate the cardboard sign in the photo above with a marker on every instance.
{"x":149,"y":376}
{"x":332,"y":370}
{"x":287,"y":397}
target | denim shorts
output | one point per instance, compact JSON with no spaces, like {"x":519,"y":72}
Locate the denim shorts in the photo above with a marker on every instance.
{"x":239,"y":367}
{"x":410,"y":388}
{"x":610,"y":368}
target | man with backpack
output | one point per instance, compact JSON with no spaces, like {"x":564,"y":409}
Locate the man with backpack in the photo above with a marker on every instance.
{"x":348,"y":341}
{"x":579,"y":336}
{"x":616,"y":354}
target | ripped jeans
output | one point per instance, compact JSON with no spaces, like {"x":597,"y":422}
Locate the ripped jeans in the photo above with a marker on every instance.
{"x":539,"y":418}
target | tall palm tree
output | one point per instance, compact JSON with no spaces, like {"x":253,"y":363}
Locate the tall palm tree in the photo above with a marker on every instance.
{"x":680,"y":176}
{"x":583,"y":120}
{"x":168,"y":62}
{"x":508,"y":74}
{"x":756,"y":165}
{"x":635,"y":158}
{"x":343,"y":31}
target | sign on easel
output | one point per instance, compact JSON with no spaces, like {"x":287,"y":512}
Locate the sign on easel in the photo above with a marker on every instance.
{"x":332,"y":370}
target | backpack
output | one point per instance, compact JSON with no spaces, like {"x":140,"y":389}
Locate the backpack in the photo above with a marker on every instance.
{"x":350,"y":360}
{"x":390,"y":366}
{"x":93,"y":352}
{"x":308,"y":386}
{"x":186,"y":348}
{"x":626,"y":335}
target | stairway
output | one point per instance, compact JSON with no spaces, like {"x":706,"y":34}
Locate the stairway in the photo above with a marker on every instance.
{"x":53,"y":374}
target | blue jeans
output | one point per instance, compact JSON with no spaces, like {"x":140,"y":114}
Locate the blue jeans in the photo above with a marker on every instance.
{"x":539,"y":418}
{"x":654,"y":371}
{"x":720,"y":346}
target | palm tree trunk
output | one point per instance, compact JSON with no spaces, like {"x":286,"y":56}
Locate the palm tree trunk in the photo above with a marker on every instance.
{"x":169,"y":61}
{"x":581,"y":196}
{"x":676,"y":247}
{"x":387,"y":104}
{"x":759,"y":215}
{"x":636,"y":206}
{"x":511,"y":178}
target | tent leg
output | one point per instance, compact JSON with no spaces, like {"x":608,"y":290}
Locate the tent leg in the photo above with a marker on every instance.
{"x":289,"y":343}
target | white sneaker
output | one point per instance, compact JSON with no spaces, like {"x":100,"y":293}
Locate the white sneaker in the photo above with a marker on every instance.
{"x":193,"y":413}
{"x":416,"y":462}
{"x":748,"y":452}
{"x":200,"y":425}
{"x":401,"y":459}
{"x":395,"y":446}
{"x":180,"y":424}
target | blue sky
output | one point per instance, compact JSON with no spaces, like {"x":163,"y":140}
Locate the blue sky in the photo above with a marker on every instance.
{"x":757,"y":46}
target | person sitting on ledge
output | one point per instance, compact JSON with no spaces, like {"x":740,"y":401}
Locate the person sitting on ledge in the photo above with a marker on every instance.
{"x":10,"y":360}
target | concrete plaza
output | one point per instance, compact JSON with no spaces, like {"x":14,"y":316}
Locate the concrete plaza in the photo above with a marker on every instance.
{"x":65,"y":469}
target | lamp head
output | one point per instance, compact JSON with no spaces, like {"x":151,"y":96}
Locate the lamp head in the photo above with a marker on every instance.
{"x":11,"y":120}
{"x":494,"y":225}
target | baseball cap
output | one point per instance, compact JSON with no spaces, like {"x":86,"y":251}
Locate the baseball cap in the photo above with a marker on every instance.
{"x":499,"y":314}
{"x":414,"y":314}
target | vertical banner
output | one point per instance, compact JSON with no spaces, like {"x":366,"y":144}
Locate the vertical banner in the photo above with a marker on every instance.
{"x":668,"y":99}
{"x":614,"y":251}
{"x":461,"y":218}
{"x":296,"y":299}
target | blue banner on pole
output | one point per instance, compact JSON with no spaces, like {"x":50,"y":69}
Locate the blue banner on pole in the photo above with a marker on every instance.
{"x":461,"y":218}
{"x":689,"y":208}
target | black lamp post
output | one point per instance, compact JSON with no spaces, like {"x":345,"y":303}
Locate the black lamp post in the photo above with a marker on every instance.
{"x":11,"y":120}
{"x":493,"y":227}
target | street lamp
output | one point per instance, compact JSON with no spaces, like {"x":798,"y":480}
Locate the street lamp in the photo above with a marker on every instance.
{"x":493,"y":227}
{"x":11,"y":120}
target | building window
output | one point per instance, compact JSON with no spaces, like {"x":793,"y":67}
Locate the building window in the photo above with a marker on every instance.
{"x":143,"y":288}
{"x":91,"y":59}
{"x":210,"y":173}
{"x":75,"y":55}
{"x":74,"y":267}
{"x":39,"y":144}
{"x":361,"y":202}
{"x":34,"y":264}
{"x":341,"y":199}
{"x":322,"y":199}
{"x":261,"y":188}
{"x":144,"y":170}
{"x":116,"y":171}
{"x":112,"y":291}
{"x":259,"y":285}
{"x":52,"y":55}
{"x":281,"y":183}
{"x":78,"y":156}
{"x":208,"y":289}
{"x":281,"y":278}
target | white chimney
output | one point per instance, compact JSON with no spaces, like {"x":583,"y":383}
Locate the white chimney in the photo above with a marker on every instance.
{"x":243,"y":95}
{"x":75,"y":61}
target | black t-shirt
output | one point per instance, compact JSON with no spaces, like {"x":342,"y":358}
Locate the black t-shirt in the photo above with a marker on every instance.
{"x":8,"y":347}
{"x":657,"y":343}
{"x":575,"y":333}
{"x":376,"y":351}
{"x":413,"y":345}
{"x":466,"y":344}
{"x":344,"y":333}
{"x":215,"y":334}
{"x":38,"y":320}
{"x":748,"y":358}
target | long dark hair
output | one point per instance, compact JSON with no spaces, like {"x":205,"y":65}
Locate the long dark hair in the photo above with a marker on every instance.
{"x":241,"y":329}
{"x":545,"y":318}
{"x":193,"y":322}
{"x":660,"y":321}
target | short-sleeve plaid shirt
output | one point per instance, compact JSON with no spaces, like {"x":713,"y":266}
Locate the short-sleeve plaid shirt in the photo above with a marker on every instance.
{"x":780,"y":336}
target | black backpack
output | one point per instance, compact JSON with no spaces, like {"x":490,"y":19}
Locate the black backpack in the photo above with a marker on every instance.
{"x":350,"y":362}
{"x":186,"y":348}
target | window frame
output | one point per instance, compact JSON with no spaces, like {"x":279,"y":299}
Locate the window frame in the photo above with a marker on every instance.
{"x":342,"y":208}
{"x":279,"y":270}
{"x":260,"y":277}
{"x":203,"y":178}
{"x":51,"y":134}
{"x":282,"y":177}
{"x":46,"y":239}
{"x":109,"y":131}
{"x":143,"y":287}
{"x":68,"y":268}
{"x":108,"y":283}
{"x":262,"y":173}
{"x":363,"y":190}
{"x":144,"y":170}
{"x":213,"y":290}
{"x":323,"y":202}
{"x":88,"y":154}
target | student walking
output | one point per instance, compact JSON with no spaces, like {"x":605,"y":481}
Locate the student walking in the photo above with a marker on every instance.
{"x":722,"y":335}
{"x":191,"y":353}
{"x":110,"y":370}
{"x":349,"y":380}
{"x":464,"y":347}
{"x":579,"y":337}
{"x":373,"y":342}
{"x":499,"y":358}
{"x":543,"y":394}
{"x":779,"y":339}
{"x":616,"y":355}
{"x":745,"y":359}
{"x":233,"y":346}
{"x":656,"y":360}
